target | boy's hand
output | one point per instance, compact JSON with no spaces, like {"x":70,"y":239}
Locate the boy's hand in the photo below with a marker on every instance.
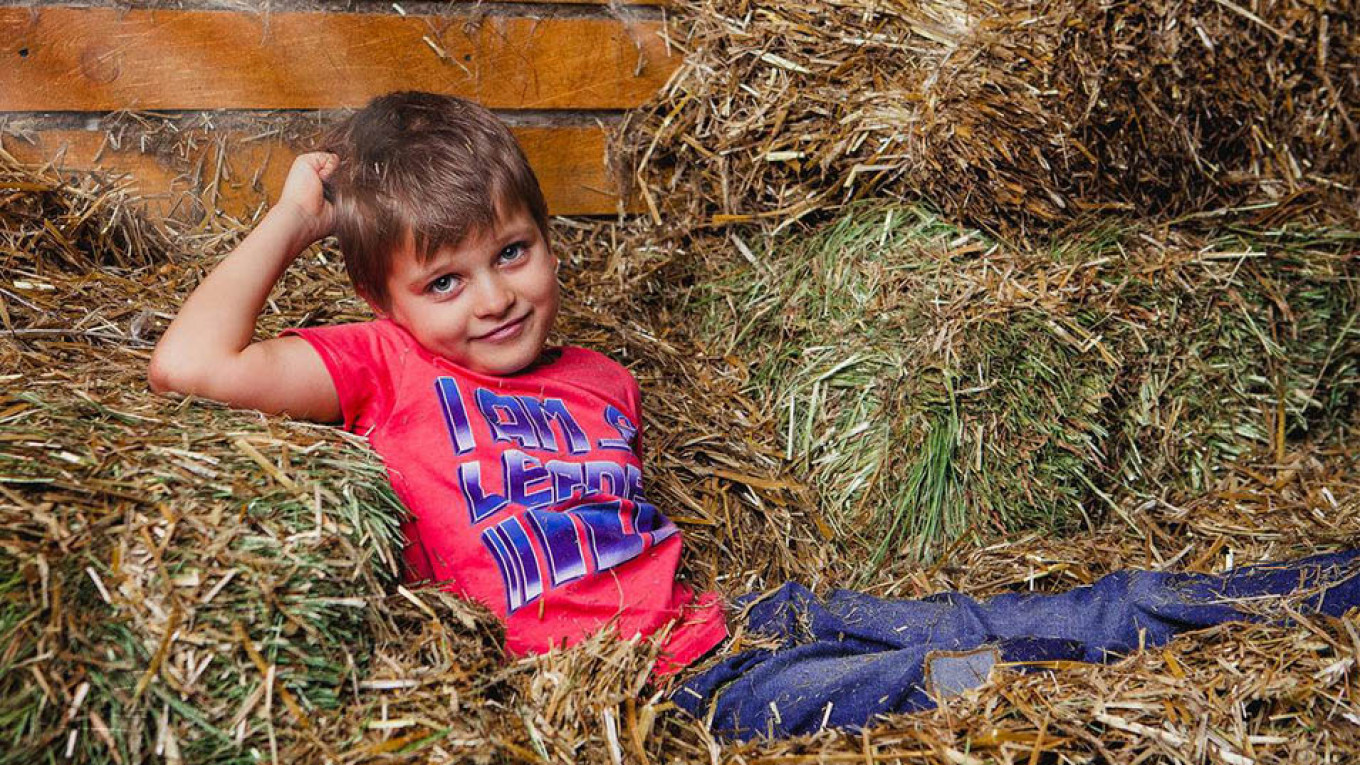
{"x":208,"y":350}
{"x":304,"y":195}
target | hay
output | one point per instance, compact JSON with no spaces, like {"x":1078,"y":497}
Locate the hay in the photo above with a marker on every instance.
{"x":932,"y":383}
{"x":179,"y":580}
{"x":1005,"y":116}
{"x":165,"y":500}
{"x":146,"y":543}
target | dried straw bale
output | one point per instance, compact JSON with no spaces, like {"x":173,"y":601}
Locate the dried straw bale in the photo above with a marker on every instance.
{"x":71,"y":226}
{"x":710,"y":452}
{"x":932,"y":383}
{"x":1005,"y":115}
{"x":1229,"y":695}
{"x":182,"y":581}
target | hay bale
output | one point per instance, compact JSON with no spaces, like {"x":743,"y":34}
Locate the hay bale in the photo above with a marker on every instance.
{"x":1005,"y":116}
{"x":711,"y":455}
{"x":184,"y":581}
{"x":932,"y":383}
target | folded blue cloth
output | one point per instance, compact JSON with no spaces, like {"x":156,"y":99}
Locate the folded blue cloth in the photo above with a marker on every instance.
{"x":854,"y":656}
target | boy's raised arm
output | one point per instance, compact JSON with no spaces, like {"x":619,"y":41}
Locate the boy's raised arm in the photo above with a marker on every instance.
{"x":207,"y":350}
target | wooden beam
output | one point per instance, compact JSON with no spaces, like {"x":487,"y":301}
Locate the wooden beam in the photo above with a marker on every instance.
{"x":238,"y":176}
{"x":625,"y":4}
{"x":58,"y":58}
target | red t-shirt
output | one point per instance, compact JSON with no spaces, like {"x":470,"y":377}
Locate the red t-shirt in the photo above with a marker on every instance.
{"x":525,"y":492}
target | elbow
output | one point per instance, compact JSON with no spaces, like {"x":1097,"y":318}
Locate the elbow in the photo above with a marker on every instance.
{"x":159,"y":382}
{"x":165,"y":375}
{"x":159,"y":375}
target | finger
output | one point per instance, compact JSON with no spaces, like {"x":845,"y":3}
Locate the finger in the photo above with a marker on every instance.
{"x":313,"y":159}
{"x":319,"y":161}
{"x":327,"y":165}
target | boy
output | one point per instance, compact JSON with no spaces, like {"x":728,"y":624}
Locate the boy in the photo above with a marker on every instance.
{"x":520,"y":465}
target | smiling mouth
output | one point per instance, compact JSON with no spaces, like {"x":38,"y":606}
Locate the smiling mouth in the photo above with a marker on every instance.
{"x":505,"y":331}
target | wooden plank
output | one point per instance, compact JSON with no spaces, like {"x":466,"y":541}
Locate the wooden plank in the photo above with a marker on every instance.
{"x":611,"y":3}
{"x":237,"y":176}
{"x":60,"y":58}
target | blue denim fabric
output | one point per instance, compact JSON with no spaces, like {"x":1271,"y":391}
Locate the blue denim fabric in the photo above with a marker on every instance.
{"x":854,"y":656}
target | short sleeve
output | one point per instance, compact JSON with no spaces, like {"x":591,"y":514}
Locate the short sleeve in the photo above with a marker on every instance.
{"x":364,"y":360}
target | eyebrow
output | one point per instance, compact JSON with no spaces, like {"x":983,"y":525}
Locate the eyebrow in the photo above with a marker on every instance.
{"x":438,"y":267}
{"x":435,"y":268}
{"x":511,"y":235}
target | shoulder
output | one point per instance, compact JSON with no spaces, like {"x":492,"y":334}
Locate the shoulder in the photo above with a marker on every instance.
{"x":367,"y":348}
{"x":375,"y":337}
{"x":585,"y":370}
{"x":585,"y":365}
{"x":365,"y":361}
{"x":607,"y":377}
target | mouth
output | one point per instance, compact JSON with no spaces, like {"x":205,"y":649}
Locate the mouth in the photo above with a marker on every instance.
{"x":506,"y":331}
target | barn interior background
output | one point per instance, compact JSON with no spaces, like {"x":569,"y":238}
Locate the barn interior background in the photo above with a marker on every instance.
{"x":923,"y":296}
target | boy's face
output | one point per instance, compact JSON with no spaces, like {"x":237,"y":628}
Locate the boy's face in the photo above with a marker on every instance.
{"x":485,"y":304}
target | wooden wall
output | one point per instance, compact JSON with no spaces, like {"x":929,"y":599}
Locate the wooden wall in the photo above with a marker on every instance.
{"x":208,"y":106}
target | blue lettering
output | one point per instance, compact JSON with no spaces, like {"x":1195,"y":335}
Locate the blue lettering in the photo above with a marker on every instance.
{"x":522,"y":471}
{"x":597,"y":472}
{"x":533,"y":408}
{"x":568,"y":479}
{"x":577,"y":441}
{"x":508,"y":419}
{"x":514,"y":556}
{"x":633,"y":488}
{"x":480,"y":504}
{"x":648,"y":520}
{"x":455,"y":415}
{"x":625,"y":427}
{"x":611,"y":542}
{"x":557,"y":535}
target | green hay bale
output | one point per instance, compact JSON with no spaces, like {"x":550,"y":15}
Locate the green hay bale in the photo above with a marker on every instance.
{"x":907,"y":434}
{"x":932,"y":383}
{"x":127,"y":609}
{"x":1259,"y":347}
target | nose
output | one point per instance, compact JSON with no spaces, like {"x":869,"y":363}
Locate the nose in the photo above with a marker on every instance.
{"x":494,"y":296}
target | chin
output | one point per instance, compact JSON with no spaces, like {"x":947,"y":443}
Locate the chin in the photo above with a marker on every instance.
{"x":507,"y":364}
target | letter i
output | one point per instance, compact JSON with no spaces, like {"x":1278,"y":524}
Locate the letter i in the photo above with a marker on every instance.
{"x":455,"y":415}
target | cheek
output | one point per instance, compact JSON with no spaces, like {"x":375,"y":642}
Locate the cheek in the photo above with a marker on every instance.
{"x":542,"y":288}
{"x":441,"y":323}
{"x":552,"y":299}
{"x":552,"y":285}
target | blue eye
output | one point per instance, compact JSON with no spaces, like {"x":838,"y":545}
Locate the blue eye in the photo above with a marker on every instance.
{"x":443,"y":285}
{"x":513,"y":252}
